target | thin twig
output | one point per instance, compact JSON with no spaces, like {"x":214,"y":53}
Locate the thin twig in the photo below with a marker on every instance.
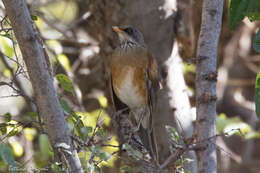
{"x":199,"y":145}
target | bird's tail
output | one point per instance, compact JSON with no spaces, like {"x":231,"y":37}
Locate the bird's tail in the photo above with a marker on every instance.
{"x":149,"y":141}
{"x":145,"y":131}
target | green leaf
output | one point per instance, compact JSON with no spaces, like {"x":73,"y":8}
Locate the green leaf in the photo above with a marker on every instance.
{"x":174,"y":136}
{"x":7,"y":117}
{"x":80,"y":123}
{"x":84,"y":131}
{"x":65,"y":62}
{"x":256,"y":41}
{"x":7,"y":155}
{"x":104,"y":156}
{"x":45,"y":146}
{"x":7,"y":35}
{"x":75,"y":116}
{"x":95,"y":149}
{"x":77,"y":123}
{"x":101,"y":133}
{"x":81,"y":130}
{"x":257,"y":94}
{"x":6,"y":45}
{"x":34,"y":17}
{"x":253,"y":10}
{"x":253,"y":16}
{"x":237,"y":12}
{"x":65,"y":106}
{"x":3,"y":130}
{"x":15,"y":131}
{"x":65,"y":82}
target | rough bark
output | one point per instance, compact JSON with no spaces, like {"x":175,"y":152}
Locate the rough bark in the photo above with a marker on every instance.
{"x":42,"y":82}
{"x":206,"y":82}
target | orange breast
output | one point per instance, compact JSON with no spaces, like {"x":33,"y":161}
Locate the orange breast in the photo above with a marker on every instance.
{"x":128,"y":80}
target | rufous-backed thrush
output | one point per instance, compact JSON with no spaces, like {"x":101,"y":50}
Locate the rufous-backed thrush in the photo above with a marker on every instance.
{"x":134,"y":78}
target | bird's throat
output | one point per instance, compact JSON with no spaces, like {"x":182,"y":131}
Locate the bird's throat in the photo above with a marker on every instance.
{"x":126,"y":45}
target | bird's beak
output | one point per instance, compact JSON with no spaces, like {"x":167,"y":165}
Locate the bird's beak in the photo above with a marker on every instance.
{"x":117,"y":29}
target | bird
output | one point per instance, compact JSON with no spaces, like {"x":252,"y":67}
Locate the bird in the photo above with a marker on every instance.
{"x":135,"y":82}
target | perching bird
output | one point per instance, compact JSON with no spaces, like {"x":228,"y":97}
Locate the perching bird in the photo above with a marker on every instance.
{"x":134,"y":79}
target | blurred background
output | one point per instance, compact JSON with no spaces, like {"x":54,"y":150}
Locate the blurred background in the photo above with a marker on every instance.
{"x":78,"y":38}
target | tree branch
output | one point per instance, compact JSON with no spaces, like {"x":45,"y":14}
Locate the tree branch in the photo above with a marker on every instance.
{"x":42,"y":82}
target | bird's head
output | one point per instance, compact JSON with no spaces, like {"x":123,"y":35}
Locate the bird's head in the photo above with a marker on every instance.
{"x":129,"y":35}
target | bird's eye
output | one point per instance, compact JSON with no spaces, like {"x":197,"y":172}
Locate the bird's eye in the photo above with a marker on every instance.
{"x":128,"y":30}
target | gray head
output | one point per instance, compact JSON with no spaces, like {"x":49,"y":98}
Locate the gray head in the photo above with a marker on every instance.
{"x":129,"y":34}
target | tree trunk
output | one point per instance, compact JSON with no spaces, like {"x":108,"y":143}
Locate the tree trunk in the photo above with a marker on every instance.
{"x":42,"y":82}
{"x":206,"y":77}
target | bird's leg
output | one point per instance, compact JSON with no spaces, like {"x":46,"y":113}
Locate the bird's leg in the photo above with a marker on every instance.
{"x":140,"y":116}
{"x":121,"y":111}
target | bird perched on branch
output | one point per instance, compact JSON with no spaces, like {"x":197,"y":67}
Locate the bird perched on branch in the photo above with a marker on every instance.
{"x":134,"y":79}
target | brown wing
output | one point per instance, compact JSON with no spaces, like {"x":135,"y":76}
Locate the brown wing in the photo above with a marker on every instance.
{"x":153,"y":85}
{"x":152,"y":80}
